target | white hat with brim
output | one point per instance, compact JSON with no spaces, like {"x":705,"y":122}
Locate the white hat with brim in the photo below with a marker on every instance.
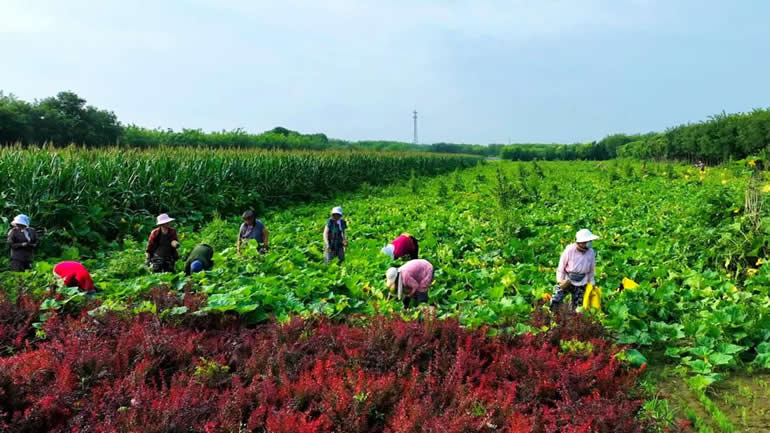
{"x":164,"y":219}
{"x":337,"y":210}
{"x":391,"y":275}
{"x":21,"y":220}
{"x":585,"y":235}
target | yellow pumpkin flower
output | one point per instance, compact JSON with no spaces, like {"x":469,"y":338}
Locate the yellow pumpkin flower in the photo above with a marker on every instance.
{"x":724,"y":181}
{"x":752,"y":163}
{"x":629,"y":284}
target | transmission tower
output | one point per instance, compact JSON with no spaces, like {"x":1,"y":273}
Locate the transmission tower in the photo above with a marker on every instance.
{"x":415,"y":126}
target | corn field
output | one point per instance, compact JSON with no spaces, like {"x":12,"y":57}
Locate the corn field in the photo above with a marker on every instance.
{"x":91,"y":196}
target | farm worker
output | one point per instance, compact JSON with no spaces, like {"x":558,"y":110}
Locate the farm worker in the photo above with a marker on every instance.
{"x":162,"y":246}
{"x":74,"y":274}
{"x":252,"y":229}
{"x":335,"y":237}
{"x":576,"y":269}
{"x":412,"y":281}
{"x":200,"y":259}
{"x":404,"y":245}
{"x":23,"y":240}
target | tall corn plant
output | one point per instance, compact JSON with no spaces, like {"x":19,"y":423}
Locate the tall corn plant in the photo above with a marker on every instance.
{"x":89,"y":196}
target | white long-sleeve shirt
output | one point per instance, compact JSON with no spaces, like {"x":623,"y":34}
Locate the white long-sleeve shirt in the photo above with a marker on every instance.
{"x":574,"y":261}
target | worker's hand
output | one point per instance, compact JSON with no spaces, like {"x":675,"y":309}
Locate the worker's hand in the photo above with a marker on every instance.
{"x":345,"y":244}
{"x":147,"y":255}
{"x":563,"y":284}
{"x":175,"y":244}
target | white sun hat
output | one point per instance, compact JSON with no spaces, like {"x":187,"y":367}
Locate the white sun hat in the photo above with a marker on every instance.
{"x":21,"y":220}
{"x":585,"y":235}
{"x":164,"y":219}
{"x":337,"y":210}
{"x":391,"y":275}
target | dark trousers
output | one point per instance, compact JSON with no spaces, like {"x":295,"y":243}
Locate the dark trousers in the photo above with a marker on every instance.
{"x":418,"y":298}
{"x":559,"y":294}
{"x":162,"y":264}
{"x":20,"y":265}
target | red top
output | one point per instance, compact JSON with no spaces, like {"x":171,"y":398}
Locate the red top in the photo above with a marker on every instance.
{"x":402,"y":246}
{"x":74,"y":274}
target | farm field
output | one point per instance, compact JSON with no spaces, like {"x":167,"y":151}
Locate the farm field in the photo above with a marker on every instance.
{"x":698,"y":313}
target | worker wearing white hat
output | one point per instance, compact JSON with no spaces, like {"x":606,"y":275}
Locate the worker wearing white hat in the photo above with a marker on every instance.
{"x":335,"y":237}
{"x":23,"y":240}
{"x":576,"y":269}
{"x":162,"y":246}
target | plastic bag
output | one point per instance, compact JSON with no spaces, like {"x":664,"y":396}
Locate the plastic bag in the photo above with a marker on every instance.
{"x":592,"y":297}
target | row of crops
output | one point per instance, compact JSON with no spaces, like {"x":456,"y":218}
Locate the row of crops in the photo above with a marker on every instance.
{"x":87,"y":197}
{"x":494,"y":234}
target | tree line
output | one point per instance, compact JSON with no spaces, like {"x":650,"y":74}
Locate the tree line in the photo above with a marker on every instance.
{"x":721,"y":137}
{"x":66,"y":119}
{"x":717,"y":139}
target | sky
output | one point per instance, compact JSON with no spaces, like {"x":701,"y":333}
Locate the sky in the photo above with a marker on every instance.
{"x":477,"y":71}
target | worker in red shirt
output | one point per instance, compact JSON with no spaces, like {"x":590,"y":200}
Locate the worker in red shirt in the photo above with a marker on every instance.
{"x":74,"y":274}
{"x":403,"y":246}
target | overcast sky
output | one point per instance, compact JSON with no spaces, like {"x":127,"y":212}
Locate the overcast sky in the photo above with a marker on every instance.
{"x":477,"y":71}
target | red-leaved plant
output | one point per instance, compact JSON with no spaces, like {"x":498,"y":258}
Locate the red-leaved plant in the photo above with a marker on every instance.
{"x":121,"y":373}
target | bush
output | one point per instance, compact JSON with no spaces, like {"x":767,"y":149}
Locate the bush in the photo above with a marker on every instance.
{"x":141,"y":373}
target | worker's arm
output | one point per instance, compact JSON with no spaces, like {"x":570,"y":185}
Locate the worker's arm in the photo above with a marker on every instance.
{"x":11,"y":243}
{"x":326,"y":236}
{"x":151,"y":244}
{"x":561,"y":270}
{"x":265,"y":236}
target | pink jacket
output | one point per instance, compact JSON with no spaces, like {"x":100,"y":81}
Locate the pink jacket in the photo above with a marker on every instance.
{"x":416,"y":276}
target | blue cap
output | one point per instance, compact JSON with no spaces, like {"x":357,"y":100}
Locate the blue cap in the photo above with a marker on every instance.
{"x":196,"y":266}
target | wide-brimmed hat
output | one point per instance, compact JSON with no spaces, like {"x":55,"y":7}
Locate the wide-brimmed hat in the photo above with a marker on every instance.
{"x":21,"y":220}
{"x":391,"y":275}
{"x":337,"y":210}
{"x":164,"y":219}
{"x":585,"y":235}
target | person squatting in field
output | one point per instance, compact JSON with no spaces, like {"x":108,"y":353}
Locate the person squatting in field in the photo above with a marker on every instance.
{"x":411,"y":280}
{"x":335,"y":237}
{"x":162,"y":246}
{"x":74,"y":274}
{"x":403,"y":246}
{"x":23,"y":240}
{"x":252,"y":229}
{"x":200,"y":259}
{"x":576,"y":269}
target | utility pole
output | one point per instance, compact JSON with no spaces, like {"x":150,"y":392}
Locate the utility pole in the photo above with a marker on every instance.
{"x":415,"y":126}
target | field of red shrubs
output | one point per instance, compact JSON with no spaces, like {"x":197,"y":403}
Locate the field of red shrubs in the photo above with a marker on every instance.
{"x":189,"y":373}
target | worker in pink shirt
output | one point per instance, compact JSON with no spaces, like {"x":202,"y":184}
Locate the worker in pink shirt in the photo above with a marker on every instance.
{"x":412,"y":281}
{"x":403,"y":246}
{"x":577,"y":267}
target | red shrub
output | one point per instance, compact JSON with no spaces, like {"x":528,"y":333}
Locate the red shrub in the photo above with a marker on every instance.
{"x":140,"y":374}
